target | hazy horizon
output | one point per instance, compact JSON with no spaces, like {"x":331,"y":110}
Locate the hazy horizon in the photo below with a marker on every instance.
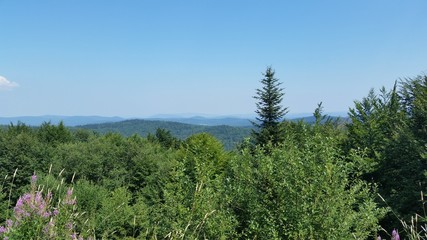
{"x":182,"y":115}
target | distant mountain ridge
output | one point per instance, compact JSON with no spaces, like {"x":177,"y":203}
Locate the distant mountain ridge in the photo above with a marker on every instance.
{"x":72,"y":121}
{"x":55,"y":119}
{"x":204,"y":120}
{"x":208,"y":121}
{"x":228,"y":135}
{"x":229,"y":130}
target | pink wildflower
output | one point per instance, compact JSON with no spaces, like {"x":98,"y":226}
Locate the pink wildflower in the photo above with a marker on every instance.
{"x":9,"y":223}
{"x":68,"y":198}
{"x":34,"y":178}
{"x":395,"y":235}
{"x":69,"y":226}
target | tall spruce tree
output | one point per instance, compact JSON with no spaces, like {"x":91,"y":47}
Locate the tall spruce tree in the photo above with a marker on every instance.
{"x":269,"y":110}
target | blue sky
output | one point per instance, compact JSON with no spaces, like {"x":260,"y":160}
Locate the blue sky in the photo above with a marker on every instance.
{"x":140,"y":58}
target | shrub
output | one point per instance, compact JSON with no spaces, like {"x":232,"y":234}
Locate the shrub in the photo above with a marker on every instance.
{"x":37,"y":216}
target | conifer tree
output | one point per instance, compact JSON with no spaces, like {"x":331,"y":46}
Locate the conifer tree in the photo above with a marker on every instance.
{"x":269,"y":110}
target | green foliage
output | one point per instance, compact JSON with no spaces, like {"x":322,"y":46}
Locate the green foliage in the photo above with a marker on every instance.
{"x":115,"y":217}
{"x":301,"y":190}
{"x":416,"y":228}
{"x":37,"y":216}
{"x":204,"y":157}
{"x":190,"y":205}
{"x":414,"y":100}
{"x":390,"y":129}
{"x":228,"y":135}
{"x":52,"y":134}
{"x":164,"y":138}
{"x":318,"y":114}
{"x":21,"y":150}
{"x":375,"y":122}
{"x":90,"y":198}
{"x":269,"y":110}
{"x":133,"y":187}
{"x":301,"y":181}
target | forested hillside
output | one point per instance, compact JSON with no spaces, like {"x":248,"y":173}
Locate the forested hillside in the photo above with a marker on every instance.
{"x":228,"y":135}
{"x":289,"y":180}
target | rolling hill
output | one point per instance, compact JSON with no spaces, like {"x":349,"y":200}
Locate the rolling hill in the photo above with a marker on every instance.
{"x":228,"y":135}
{"x":229,"y":130}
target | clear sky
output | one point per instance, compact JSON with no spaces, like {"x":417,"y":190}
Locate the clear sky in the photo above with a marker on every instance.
{"x":137,"y":58}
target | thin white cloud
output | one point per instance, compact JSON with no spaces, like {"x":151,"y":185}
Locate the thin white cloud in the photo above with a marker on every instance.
{"x":6,"y":84}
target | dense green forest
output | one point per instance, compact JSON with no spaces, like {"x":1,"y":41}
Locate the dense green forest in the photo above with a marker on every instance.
{"x":288,"y":180}
{"x":228,"y":135}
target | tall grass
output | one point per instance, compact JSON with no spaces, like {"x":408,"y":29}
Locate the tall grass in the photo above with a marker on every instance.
{"x":47,"y":211}
{"x":416,"y":228}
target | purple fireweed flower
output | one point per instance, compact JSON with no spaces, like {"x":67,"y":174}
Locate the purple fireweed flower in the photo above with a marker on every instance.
{"x":39,"y":197}
{"x":26,"y":198}
{"x":31,"y":204}
{"x":9,"y":223}
{"x":69,"y":226}
{"x":19,"y":203}
{"x":46,"y":229}
{"x":51,"y":223}
{"x":55,"y":212}
{"x":18,"y":209}
{"x":48,"y":196}
{"x":34,"y":178}
{"x":395,"y":235}
{"x":69,"y":192}
{"x":3,"y":229}
{"x":69,"y":200}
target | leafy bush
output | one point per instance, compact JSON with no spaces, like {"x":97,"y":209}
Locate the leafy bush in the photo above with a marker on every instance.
{"x":301,"y":190}
{"x":36,"y":216}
